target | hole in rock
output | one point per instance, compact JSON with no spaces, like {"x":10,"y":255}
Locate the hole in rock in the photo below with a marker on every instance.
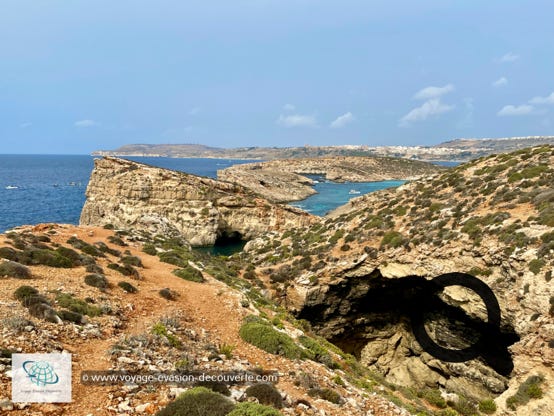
{"x":359,"y":310}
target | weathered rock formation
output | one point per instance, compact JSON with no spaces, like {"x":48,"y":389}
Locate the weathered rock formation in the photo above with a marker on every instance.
{"x":283,"y":180}
{"x":362,"y":278}
{"x":132,"y":195}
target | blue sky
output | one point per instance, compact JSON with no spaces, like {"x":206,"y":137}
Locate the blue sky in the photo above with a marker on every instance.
{"x":84,"y":75}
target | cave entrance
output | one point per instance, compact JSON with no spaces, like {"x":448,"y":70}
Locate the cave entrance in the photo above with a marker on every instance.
{"x":357,"y":309}
{"x":226,"y":244}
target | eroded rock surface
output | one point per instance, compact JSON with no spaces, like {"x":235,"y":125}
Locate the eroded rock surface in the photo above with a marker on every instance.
{"x":132,"y":195}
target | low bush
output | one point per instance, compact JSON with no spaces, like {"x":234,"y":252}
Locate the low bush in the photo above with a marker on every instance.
{"x":487,"y":406}
{"x":96,"y":280}
{"x":326,"y":394}
{"x":24,"y":292}
{"x":104,"y":248}
{"x":254,"y":409}
{"x":392,"y":239}
{"x":529,"y":389}
{"x":131,"y":261}
{"x":215,"y":386}
{"x":168,"y":294}
{"x":14,"y":269}
{"x":70,"y":316}
{"x":198,"y":401}
{"x":65,"y":300}
{"x":149,"y":248}
{"x":125,"y":270}
{"x":127,"y":287}
{"x":270,"y":340}
{"x":44,"y":311}
{"x":117,"y":241}
{"x":189,"y":273}
{"x":266,"y":394}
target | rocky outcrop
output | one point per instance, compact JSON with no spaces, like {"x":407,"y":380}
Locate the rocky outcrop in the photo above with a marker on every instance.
{"x":364,"y":277}
{"x":132,"y":195}
{"x":284,"y":180}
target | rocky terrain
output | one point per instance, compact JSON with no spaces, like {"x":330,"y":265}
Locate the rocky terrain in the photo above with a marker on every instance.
{"x":361,"y":277}
{"x":202,"y":210}
{"x":283,"y":180}
{"x":346,"y":308}
{"x":154,"y":305}
{"x":457,"y":150}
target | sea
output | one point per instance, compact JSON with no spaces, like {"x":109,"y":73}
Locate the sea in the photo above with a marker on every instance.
{"x":51,"y":188}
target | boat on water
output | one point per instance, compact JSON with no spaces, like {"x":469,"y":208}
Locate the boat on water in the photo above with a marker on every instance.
{"x":354,"y":192}
{"x":12,"y":187}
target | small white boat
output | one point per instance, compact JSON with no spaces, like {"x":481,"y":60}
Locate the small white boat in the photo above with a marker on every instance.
{"x":12,"y":187}
{"x":354,"y":192}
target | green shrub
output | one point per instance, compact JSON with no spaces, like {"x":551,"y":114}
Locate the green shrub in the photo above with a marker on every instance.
{"x":198,"y":401}
{"x":8,"y":253}
{"x":215,"y":386}
{"x":149,"y":248}
{"x":189,"y":273}
{"x":65,"y":300}
{"x":317,"y":352}
{"x":168,"y":294}
{"x":487,"y":406}
{"x":161,"y":330}
{"x":70,"y":254}
{"x":254,"y":409}
{"x":173,"y":257}
{"x":94,"y":268}
{"x":125,"y":270}
{"x":270,"y":340}
{"x":104,"y":248}
{"x":131,"y":261}
{"x":127,"y":287}
{"x":266,"y":394}
{"x":392,"y":239}
{"x":45,"y":257}
{"x":44,"y":311}
{"x":465,"y":407}
{"x":536,"y":265}
{"x":117,"y":241}
{"x":226,"y":350}
{"x":108,"y":226}
{"x":96,"y":280}
{"x":433,"y":396}
{"x":14,"y":269}
{"x":23,"y":292}
{"x":70,"y":316}
{"x":326,"y":394}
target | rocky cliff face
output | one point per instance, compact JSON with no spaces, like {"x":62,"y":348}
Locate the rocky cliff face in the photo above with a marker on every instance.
{"x":363,"y":277}
{"x":132,"y":195}
{"x":283,"y":180}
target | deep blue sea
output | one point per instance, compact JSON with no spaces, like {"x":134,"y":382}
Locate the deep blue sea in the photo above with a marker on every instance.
{"x":51,"y":188}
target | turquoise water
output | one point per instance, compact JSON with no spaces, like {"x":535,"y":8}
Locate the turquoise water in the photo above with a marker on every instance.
{"x":332,"y":195}
{"x":51,"y":188}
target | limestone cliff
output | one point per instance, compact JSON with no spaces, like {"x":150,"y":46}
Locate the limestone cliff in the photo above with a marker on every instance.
{"x":132,"y":195}
{"x":362,"y":275}
{"x":283,"y":180}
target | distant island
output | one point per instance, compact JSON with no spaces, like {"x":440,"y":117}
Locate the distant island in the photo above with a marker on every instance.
{"x":454,"y":150}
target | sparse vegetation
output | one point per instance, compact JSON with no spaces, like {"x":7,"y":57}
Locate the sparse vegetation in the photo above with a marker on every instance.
{"x":198,"y":401}
{"x":266,"y":394}
{"x":265,"y":337}
{"x":529,"y":389}
{"x":13,"y":269}
{"x":65,"y":300}
{"x":127,"y":287}
{"x":96,"y":280}
{"x":189,"y":273}
{"x":254,"y":409}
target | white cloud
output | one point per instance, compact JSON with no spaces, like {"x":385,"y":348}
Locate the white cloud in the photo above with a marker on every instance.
{"x":509,"y":57}
{"x":297,"y":120}
{"x":427,"y":109}
{"x":542,"y":100}
{"x":85,"y":123}
{"x":289,"y":107}
{"x":515,"y":110}
{"x":194,"y":111}
{"x":342,"y":121}
{"x":500,"y":82}
{"x":428,"y":93}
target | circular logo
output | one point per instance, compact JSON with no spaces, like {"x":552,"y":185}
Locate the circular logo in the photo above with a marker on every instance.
{"x":40,"y":373}
{"x":493,"y":322}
